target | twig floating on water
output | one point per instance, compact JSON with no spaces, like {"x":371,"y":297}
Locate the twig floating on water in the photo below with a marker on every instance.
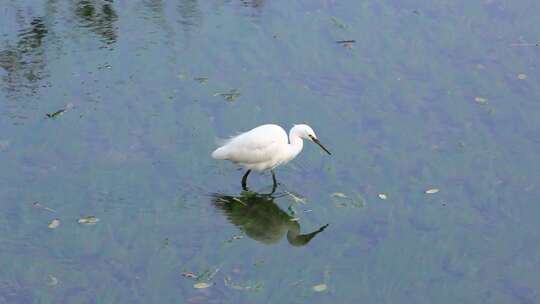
{"x":229,"y":96}
{"x":202,"y":80}
{"x":55,"y":114}
{"x":37,"y":205}
{"x":61,"y":111}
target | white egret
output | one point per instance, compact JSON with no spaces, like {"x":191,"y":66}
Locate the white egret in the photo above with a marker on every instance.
{"x":265,"y":147}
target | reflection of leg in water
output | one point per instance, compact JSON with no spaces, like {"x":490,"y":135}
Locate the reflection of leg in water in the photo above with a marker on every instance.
{"x":244,"y":180}
{"x":274,"y":185}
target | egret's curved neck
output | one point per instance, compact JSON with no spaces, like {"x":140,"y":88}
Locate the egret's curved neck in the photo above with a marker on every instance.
{"x":296,"y":239}
{"x":295,"y":142}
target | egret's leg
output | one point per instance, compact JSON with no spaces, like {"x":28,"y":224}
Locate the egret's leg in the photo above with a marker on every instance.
{"x":274,"y":186}
{"x":244,"y":180}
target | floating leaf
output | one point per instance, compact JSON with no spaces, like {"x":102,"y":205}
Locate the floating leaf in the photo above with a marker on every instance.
{"x":37,"y":205}
{"x":229,"y":96}
{"x":355,"y":201}
{"x":339,"y":194}
{"x":319,"y":287}
{"x":346,"y":41}
{"x":201,"y":285}
{"x":338,"y":23}
{"x":247,"y":286}
{"x":55,"y":114}
{"x":432,"y":191}
{"x":234,"y":237}
{"x":208,"y":274}
{"x":53,"y":281}
{"x":522,"y":76}
{"x":480,"y":100}
{"x":296,"y":197}
{"x":239,"y":200}
{"x":202,"y":80}
{"x":54,"y":224}
{"x":88,"y":220}
{"x":189,"y":274}
{"x":383,"y":196}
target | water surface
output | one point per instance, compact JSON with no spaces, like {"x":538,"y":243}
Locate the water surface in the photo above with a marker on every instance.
{"x":430,"y":95}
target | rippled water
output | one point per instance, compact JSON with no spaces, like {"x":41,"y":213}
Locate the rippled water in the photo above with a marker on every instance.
{"x":111,"y":109}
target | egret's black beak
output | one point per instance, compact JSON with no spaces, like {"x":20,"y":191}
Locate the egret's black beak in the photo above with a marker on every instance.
{"x":315,"y":140}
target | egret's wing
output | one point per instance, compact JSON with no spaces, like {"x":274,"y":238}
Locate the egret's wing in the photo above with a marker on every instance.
{"x":249,"y":149}
{"x":255,"y":146}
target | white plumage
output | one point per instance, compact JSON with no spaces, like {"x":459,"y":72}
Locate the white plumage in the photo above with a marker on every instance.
{"x":265,"y":147}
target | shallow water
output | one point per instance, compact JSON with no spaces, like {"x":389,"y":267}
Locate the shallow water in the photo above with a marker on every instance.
{"x":438,"y":95}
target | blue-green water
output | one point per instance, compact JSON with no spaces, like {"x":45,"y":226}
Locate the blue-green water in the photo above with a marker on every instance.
{"x":439,"y":95}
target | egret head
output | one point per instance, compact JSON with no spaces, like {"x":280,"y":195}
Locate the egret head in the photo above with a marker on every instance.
{"x":306,"y":132}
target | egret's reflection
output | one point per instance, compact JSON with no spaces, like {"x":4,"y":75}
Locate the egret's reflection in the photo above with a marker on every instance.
{"x":261,"y":219}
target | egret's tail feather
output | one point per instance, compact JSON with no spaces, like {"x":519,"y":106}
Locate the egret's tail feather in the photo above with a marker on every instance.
{"x":219,"y":153}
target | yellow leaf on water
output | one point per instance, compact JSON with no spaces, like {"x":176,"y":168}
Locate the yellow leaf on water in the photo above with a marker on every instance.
{"x":201,"y":285}
{"x":480,"y":100}
{"x":319,"y":287}
{"x":88,"y":220}
{"x":339,"y":194}
{"x":53,"y":281}
{"x":432,"y":191}
{"x":54,"y":224}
